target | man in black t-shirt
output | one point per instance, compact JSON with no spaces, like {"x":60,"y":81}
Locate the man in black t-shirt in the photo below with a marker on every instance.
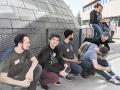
{"x":20,"y":67}
{"x":53,"y":65}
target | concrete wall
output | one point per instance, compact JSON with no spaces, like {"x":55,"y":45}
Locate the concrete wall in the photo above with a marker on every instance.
{"x":34,"y":17}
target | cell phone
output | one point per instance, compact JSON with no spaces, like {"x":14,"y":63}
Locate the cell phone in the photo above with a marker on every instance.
{"x":68,"y":70}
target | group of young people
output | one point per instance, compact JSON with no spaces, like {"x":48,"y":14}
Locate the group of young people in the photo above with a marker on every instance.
{"x":21,"y":70}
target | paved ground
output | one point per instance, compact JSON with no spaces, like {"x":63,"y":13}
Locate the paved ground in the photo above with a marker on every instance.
{"x":94,"y":82}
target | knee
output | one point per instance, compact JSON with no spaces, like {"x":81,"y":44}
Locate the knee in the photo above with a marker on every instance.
{"x":54,"y":77}
{"x":38,"y":70}
{"x":80,"y":69}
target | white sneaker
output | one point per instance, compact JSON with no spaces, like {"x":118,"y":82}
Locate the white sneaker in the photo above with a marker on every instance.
{"x":114,"y":81}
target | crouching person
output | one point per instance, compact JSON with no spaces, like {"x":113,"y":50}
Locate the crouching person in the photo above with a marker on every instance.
{"x":91,"y":61}
{"x":52,"y":63}
{"x":20,"y":69}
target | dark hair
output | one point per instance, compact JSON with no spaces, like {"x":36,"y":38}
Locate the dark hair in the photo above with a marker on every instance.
{"x":54,"y":35}
{"x":97,"y":5}
{"x":67,"y":32}
{"x":19,"y":38}
{"x":103,"y":49}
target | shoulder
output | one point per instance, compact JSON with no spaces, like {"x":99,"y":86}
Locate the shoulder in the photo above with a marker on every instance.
{"x":93,"y":11}
{"x":8,"y":53}
{"x":44,"y":49}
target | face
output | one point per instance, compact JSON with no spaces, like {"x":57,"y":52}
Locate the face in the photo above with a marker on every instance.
{"x":54,"y":41}
{"x":104,"y":38}
{"x":71,"y":37}
{"x":100,"y":9}
{"x":26,"y":43}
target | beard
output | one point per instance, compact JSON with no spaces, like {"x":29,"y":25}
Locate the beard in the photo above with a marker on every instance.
{"x":27,"y":48}
{"x":70,"y":38}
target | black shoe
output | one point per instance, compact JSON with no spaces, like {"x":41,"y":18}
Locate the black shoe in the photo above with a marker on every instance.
{"x":58,"y":83}
{"x":69,"y":77}
{"x":45,"y":87}
{"x":84,"y":75}
{"x":118,"y":78}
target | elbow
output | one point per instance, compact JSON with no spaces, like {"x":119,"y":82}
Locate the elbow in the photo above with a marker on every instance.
{"x":96,"y":67}
{"x":36,"y":62}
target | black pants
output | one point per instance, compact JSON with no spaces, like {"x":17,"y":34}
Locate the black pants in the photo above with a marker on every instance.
{"x":21,"y":76}
{"x":88,"y":68}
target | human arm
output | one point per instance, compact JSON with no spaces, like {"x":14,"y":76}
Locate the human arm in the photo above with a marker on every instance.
{"x":99,"y":67}
{"x":7,"y":80}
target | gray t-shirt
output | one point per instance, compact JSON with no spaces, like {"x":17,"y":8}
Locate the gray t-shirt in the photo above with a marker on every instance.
{"x":67,"y":50}
{"x":91,"y":53}
{"x":14,"y":63}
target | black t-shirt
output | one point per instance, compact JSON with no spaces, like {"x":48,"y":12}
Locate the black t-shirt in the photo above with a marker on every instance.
{"x":50,"y":59}
{"x":95,"y":17}
{"x":14,"y":63}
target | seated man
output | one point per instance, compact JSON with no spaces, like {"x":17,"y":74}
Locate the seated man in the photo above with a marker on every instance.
{"x":20,"y":69}
{"x":68,"y":55}
{"x":91,"y":61}
{"x":101,"y":40}
{"x":52,"y":63}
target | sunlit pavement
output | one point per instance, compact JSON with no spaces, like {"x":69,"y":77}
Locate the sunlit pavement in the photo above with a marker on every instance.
{"x":94,"y":82}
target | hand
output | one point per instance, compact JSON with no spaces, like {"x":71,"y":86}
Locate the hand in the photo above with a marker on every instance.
{"x":77,"y":61}
{"x":65,"y":65}
{"x":63,"y":73}
{"x":24,"y":83}
{"x":108,"y":69}
{"x":29,"y":76}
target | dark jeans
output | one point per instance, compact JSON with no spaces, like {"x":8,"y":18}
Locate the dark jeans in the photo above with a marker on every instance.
{"x":48,"y":77}
{"x":104,"y":28}
{"x":97,"y":30}
{"x":88,"y":67}
{"x":76,"y":68}
{"x":21,"y":76}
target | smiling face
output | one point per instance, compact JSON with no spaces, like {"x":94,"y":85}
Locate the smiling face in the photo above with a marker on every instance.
{"x":104,"y":38}
{"x":54,"y":42}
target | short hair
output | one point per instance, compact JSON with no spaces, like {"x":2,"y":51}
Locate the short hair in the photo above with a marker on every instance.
{"x":106,"y":34}
{"x":67,"y":32}
{"x":97,"y":5}
{"x":19,"y":38}
{"x":103,"y":49}
{"x":54,"y":35}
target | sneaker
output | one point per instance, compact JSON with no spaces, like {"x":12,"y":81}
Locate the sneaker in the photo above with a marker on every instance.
{"x":45,"y":87}
{"x":117,"y":77}
{"x":69,"y":77}
{"x":84,"y":75}
{"x":114,"y":81}
{"x":58,"y":83}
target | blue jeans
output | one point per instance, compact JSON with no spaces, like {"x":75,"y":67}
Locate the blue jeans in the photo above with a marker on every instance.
{"x":97,"y":30}
{"x":105,"y":29}
{"x":76,"y":68}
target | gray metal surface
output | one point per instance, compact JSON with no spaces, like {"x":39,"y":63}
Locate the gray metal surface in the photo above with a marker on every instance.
{"x":34,"y":17}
